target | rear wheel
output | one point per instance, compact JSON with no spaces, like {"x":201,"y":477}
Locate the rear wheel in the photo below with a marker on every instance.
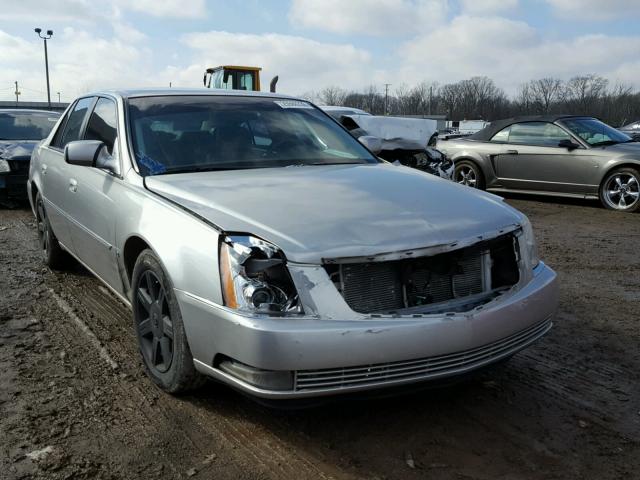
{"x":620,"y":190}
{"x":52,"y":253}
{"x":469,"y":174}
{"x":158,"y":323}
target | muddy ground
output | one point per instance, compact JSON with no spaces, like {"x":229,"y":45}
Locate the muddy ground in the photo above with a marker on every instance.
{"x":75,"y":404}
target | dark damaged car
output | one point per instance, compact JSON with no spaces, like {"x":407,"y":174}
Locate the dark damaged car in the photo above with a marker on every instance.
{"x":20,"y":132}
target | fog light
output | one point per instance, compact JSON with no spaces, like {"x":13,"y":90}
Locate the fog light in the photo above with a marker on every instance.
{"x":265,"y":379}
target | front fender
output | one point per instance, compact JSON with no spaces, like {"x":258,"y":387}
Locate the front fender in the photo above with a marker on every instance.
{"x":186,"y":246}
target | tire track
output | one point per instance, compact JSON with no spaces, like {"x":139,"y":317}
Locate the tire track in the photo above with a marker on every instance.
{"x":106,"y":313}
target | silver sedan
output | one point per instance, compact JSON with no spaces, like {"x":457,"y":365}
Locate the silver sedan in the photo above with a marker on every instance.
{"x":258,"y":243}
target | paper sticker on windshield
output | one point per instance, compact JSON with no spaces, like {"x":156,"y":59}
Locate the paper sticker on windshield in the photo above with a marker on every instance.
{"x":52,"y":119}
{"x":292,"y":104}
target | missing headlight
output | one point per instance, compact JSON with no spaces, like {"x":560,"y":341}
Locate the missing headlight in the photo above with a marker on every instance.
{"x":255,"y":278}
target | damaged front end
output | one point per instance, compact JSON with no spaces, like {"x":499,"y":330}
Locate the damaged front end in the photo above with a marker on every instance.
{"x":428,"y":160}
{"x":452,"y":281}
{"x":255,"y":278}
{"x":14,"y":170}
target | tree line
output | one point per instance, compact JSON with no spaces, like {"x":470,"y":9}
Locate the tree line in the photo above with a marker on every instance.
{"x":479,"y":98}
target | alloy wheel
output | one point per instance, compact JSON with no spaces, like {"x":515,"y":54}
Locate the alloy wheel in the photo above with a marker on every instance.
{"x":466,"y":175}
{"x":155,"y":326}
{"x":622,"y":191}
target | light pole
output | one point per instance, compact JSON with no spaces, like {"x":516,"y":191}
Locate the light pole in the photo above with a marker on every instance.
{"x":46,"y":58}
{"x":58,"y":97}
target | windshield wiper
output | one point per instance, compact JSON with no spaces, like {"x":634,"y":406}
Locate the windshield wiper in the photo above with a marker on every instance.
{"x":605,"y":143}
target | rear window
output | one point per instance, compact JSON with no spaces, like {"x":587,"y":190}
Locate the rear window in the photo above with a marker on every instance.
{"x":26,"y":126}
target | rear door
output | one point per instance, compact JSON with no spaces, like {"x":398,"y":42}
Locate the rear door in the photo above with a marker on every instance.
{"x":91,"y":196}
{"x":532,"y":160}
{"x":53,"y":170}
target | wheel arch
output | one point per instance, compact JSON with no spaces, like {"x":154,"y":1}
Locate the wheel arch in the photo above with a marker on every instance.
{"x":635,"y":164}
{"x":133,"y":247}
{"x":477,"y":162}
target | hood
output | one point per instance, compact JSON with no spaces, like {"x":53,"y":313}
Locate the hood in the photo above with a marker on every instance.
{"x":317,"y":212}
{"x":17,"y":149}
{"x":631,"y":148}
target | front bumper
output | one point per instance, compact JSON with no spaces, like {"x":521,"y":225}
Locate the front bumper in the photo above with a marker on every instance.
{"x":331,"y":356}
{"x":13,"y":184}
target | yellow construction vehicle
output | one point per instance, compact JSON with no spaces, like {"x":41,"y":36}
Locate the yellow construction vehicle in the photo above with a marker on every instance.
{"x":234,"y":77}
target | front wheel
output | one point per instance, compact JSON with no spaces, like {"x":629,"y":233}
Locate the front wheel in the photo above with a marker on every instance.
{"x":159,"y":328}
{"x":469,"y":174}
{"x":620,"y":190}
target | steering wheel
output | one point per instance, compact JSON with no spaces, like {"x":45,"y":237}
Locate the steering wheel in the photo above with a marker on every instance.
{"x":275,"y":147}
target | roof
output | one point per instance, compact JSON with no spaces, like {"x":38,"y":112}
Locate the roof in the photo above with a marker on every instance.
{"x":156,"y":92}
{"x":490,"y":130}
{"x":234,"y":67}
{"x":27,"y":110}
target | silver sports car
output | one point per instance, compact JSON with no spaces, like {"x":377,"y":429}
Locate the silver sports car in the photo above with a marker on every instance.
{"x":257,"y":242}
{"x":551,"y":155}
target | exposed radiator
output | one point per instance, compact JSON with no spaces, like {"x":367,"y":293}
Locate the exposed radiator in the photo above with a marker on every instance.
{"x":378,"y":287}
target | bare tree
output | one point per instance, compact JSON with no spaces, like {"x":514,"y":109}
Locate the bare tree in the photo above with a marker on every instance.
{"x":545,"y":92}
{"x":332,"y":96}
{"x":584,"y":91}
{"x":479,"y":97}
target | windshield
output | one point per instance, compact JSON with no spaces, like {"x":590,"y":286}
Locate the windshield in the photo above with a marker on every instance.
{"x":174,"y":134}
{"x":26,"y":126}
{"x":594,"y":132}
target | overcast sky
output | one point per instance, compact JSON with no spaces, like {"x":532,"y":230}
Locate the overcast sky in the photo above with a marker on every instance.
{"x":311,"y":44}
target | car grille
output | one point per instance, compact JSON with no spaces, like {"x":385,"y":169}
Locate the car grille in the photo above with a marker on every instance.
{"x":421,"y":369}
{"x":388,"y":287}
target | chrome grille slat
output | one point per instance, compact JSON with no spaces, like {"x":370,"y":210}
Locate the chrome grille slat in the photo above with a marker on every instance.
{"x":362,"y":375}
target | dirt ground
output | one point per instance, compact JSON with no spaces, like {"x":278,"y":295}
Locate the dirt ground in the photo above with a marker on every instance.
{"x":74,"y":402}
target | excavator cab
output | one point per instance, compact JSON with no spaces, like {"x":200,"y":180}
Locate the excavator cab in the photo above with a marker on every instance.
{"x":232,"y":77}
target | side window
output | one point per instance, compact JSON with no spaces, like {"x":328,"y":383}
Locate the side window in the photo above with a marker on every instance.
{"x":502,"y":135}
{"x":56,"y":141}
{"x":537,"y":133}
{"x":75,"y":121}
{"x":102,"y":123}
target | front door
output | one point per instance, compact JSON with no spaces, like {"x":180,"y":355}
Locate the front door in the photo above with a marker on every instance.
{"x":532,"y":160}
{"x":92,"y":207}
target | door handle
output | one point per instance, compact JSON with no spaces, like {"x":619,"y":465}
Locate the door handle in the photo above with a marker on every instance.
{"x":512,"y":152}
{"x":43,"y":169}
{"x":73,"y":185}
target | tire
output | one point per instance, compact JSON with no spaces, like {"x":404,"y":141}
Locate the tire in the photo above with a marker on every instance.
{"x":162,"y":340}
{"x":620,"y":190}
{"x":52,"y":253}
{"x":468,"y":173}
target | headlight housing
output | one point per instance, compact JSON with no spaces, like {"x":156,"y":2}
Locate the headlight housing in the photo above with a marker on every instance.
{"x":4,"y":166}
{"x":530,"y":242}
{"x":255,"y":278}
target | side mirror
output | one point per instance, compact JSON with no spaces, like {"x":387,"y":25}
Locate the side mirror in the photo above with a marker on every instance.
{"x":374,"y":144}
{"x":90,"y":153}
{"x":568,"y":144}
